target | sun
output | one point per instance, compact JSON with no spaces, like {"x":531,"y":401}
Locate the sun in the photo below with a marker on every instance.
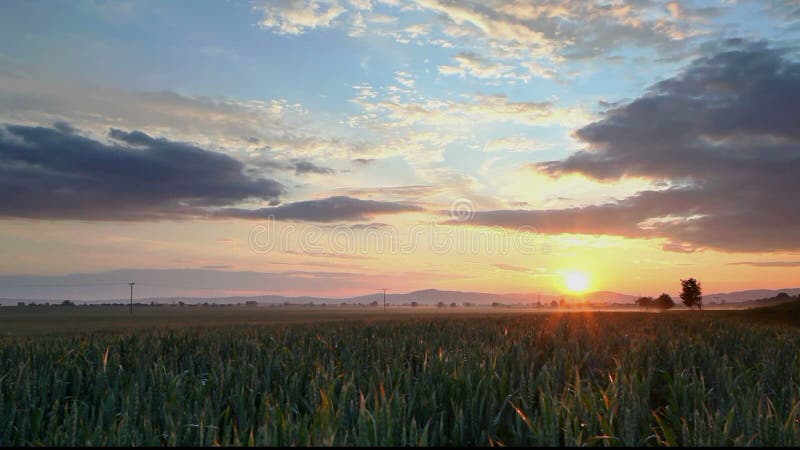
{"x":576,"y":281}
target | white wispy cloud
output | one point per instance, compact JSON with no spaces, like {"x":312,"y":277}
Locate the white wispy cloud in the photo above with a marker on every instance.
{"x":299,"y":16}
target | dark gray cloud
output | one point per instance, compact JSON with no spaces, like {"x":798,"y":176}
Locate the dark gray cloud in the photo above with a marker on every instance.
{"x":55,"y":173}
{"x":722,"y":135}
{"x":298,"y":166}
{"x":331,"y":209}
{"x":301,"y":167}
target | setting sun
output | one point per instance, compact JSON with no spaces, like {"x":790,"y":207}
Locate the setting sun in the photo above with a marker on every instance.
{"x":576,"y":281}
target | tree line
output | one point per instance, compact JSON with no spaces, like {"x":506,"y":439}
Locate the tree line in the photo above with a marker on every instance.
{"x":691,"y":296}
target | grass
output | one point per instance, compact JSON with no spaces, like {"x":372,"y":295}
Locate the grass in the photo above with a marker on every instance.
{"x":537,"y":379}
{"x":54,"y":321}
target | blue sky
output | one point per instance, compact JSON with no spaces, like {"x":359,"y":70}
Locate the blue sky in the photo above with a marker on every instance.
{"x":418,"y":103}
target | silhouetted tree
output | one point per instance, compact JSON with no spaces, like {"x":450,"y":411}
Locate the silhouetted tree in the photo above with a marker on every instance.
{"x":644,"y":302}
{"x":664,"y":301}
{"x":692,"y":294}
{"x":440,"y":305}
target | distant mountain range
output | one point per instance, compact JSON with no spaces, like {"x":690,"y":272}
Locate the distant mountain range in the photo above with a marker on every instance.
{"x":434,"y":296}
{"x":201,"y":285}
{"x":744,"y":296}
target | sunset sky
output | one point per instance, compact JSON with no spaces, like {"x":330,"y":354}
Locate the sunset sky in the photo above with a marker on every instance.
{"x":336,"y":148}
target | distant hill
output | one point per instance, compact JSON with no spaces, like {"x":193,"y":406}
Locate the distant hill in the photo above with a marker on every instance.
{"x":785,"y":312}
{"x":781,"y":299}
{"x":200,"y":286}
{"x":744,"y":296}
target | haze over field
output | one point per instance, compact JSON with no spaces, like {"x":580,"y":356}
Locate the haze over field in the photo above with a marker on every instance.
{"x":335,"y":148}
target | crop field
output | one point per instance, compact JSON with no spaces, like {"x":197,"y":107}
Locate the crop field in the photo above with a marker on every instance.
{"x":579,"y":378}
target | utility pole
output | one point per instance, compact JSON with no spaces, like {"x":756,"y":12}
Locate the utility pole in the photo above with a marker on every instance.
{"x":384,"y":299}
{"x":131,"y":285}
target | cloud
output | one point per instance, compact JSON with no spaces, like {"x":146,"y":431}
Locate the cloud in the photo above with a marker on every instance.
{"x":338,"y":208}
{"x":536,"y":34}
{"x":412,"y":191}
{"x":767,"y":263}
{"x":183,"y":282}
{"x":512,"y":268}
{"x":509,"y":39}
{"x":299,"y":16}
{"x":472,"y":64}
{"x":240,"y":127}
{"x":302,"y":167}
{"x":298,"y":166}
{"x":514,"y":144}
{"x":55,"y":173}
{"x":723,"y":138}
{"x":393,"y":112}
{"x":217,"y":266}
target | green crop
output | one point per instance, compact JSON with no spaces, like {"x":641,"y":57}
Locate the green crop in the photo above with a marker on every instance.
{"x":544,"y":379}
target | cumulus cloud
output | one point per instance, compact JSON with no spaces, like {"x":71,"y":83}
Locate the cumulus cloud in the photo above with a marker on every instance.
{"x":510,"y":39}
{"x":298,"y":16}
{"x":55,"y":173}
{"x":536,"y":34}
{"x":338,"y":208}
{"x":723,"y":137}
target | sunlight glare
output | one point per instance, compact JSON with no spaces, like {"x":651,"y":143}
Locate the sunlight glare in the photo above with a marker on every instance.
{"x":576,"y":281}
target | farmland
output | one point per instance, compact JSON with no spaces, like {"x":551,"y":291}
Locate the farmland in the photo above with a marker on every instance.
{"x":284,"y":377}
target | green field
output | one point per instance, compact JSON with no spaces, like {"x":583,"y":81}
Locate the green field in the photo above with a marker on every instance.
{"x":294,"y":376}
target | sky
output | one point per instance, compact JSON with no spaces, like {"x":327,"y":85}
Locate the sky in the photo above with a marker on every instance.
{"x":334,"y":148}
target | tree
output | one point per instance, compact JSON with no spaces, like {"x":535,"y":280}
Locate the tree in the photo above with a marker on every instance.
{"x":664,"y":301}
{"x":692,"y":294}
{"x":644,"y":302}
